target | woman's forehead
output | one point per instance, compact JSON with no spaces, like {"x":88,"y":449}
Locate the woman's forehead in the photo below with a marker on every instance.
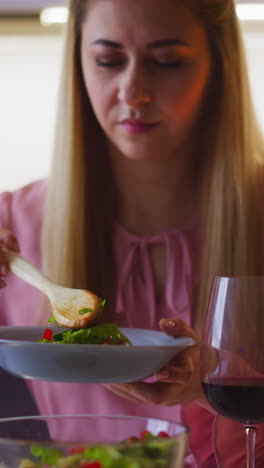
{"x":139,"y":19}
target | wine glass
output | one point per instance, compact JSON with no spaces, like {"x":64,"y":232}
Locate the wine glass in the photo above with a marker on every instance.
{"x":232,"y":357}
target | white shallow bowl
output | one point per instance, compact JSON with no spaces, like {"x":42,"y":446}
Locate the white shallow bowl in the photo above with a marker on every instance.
{"x":65,"y":433}
{"x":23,"y":355}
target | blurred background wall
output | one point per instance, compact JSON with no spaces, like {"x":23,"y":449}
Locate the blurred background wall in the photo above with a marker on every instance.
{"x":30,"y":59}
{"x":29,"y":76}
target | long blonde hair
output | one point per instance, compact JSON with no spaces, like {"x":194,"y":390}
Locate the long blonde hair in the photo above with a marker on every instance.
{"x":232,"y":232}
{"x":80,"y":201}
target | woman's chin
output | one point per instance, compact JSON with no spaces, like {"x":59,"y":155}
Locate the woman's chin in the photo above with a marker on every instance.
{"x":137,"y":152}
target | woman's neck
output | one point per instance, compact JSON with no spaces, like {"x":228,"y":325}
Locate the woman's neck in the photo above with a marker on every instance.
{"x":153,"y":196}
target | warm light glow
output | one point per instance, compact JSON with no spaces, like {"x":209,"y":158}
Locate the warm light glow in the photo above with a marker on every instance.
{"x":250,"y":11}
{"x":245,"y":12}
{"x":54,"y":15}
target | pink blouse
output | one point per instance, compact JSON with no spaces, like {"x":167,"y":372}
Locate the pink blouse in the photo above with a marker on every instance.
{"x":214,"y":441}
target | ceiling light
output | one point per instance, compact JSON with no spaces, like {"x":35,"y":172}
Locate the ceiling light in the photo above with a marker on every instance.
{"x":53,"y":15}
{"x":250,"y":11}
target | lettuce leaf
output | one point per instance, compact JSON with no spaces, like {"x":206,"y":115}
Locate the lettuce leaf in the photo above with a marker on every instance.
{"x":96,"y":334}
{"x":49,"y":456}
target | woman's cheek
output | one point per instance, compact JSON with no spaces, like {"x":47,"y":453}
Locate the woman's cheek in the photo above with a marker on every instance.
{"x":184,"y":101}
{"x":98,"y":103}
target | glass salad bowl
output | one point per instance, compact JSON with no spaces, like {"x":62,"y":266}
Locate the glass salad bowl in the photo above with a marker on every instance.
{"x":91,"y":441}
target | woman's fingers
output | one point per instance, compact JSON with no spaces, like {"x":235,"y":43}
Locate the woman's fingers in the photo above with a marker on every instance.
{"x":2,"y":283}
{"x":178,"y":382}
{"x":177,"y":328}
{"x":154,"y":393}
{"x":3,"y":272}
{"x":141,"y":392}
{"x":122,"y":391}
{"x":7,"y":239}
{"x":3,"y":269}
{"x":181,"y":366}
{"x":176,"y":374}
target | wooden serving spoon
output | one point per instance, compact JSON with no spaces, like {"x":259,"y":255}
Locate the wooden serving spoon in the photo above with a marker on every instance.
{"x":72,"y":308}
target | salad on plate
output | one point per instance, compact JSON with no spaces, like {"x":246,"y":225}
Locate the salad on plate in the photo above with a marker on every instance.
{"x":92,"y":333}
{"x":105,"y":333}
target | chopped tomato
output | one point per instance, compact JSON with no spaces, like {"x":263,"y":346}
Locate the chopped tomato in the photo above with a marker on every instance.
{"x":77,"y":450}
{"x":163,"y":434}
{"x":91,"y":464}
{"x":131,"y":439}
{"x":144,"y":435}
{"x":48,"y":334}
{"x":107,"y":340}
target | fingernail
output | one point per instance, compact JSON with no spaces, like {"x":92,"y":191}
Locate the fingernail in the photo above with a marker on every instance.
{"x":164,"y":374}
{"x":3,"y":270}
{"x":170,"y":323}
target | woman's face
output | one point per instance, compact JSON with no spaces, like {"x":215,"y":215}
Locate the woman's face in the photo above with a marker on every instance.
{"x":146,"y":66}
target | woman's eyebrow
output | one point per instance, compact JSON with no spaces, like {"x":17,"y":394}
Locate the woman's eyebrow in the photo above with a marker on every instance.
{"x":167,"y":43}
{"x":106,"y":42}
{"x":151,"y":45}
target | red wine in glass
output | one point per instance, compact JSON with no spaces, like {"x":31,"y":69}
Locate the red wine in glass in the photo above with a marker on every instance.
{"x":238,"y":399}
{"x":232,"y":353}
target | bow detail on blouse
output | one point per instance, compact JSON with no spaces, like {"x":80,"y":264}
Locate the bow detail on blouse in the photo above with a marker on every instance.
{"x":136,"y":285}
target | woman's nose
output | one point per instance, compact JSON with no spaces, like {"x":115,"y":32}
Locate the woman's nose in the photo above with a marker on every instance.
{"x":133,"y":97}
{"x":133,"y":90}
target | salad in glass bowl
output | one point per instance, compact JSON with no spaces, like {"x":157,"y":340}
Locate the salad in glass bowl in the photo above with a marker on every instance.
{"x":91,"y":441}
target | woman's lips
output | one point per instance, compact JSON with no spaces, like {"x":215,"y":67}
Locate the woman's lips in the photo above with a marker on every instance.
{"x":138,"y":126}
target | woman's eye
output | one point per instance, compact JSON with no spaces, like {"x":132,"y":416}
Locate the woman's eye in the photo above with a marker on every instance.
{"x":169,"y":63}
{"x":109,"y":63}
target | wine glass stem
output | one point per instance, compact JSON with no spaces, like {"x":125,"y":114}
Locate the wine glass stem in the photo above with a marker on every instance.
{"x":251,"y":444}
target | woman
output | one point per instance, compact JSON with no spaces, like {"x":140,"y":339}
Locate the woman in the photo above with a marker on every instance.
{"x":154,"y":190}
